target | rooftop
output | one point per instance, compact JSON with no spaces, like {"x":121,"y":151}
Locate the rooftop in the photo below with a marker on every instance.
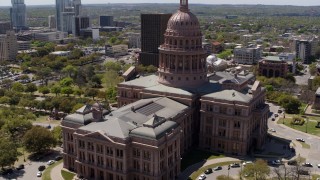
{"x":146,"y":118}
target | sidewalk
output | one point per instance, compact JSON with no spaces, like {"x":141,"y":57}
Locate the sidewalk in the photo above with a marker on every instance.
{"x":193,"y":168}
{"x":56,"y":172}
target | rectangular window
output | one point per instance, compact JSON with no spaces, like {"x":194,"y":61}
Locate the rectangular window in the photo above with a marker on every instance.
{"x":119,"y":153}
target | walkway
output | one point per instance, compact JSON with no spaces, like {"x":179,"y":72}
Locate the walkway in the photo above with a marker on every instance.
{"x":193,"y":168}
{"x":56,"y":172}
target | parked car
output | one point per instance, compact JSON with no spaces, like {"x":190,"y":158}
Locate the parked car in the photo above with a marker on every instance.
{"x":202,"y":177}
{"x":276,"y":115}
{"x":246,"y":163}
{"x":58,"y":158}
{"x":272,"y":130}
{"x":276,"y":162}
{"x":235,"y":165}
{"x":307,"y":165}
{"x":318,"y":165}
{"x":279,"y":111}
{"x":273,"y":119}
{"x":300,"y":139}
{"x":41,"y":168}
{"x":21,"y":166}
{"x":50,"y":162}
{"x":208,"y":171}
{"x":39,"y":174}
{"x":217,"y":168}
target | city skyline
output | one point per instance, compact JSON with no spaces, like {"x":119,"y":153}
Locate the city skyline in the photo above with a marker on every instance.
{"x":270,"y":2}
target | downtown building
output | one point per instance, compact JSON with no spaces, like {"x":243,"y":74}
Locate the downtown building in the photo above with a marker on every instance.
{"x":160,"y":117}
{"x":18,"y":14}
{"x":8,"y":46}
{"x":153,"y":27}
{"x":247,"y":55}
{"x":305,"y":47}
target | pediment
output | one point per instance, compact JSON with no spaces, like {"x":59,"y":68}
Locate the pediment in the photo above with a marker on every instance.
{"x":99,"y":136}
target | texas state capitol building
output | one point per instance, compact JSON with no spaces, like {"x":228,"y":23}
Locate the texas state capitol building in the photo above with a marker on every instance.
{"x":161,"y":117}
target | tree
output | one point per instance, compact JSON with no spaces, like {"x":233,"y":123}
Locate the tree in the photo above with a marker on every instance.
{"x":57,"y":134}
{"x":44,"y":90}
{"x":67,"y":90}
{"x":290,"y":104}
{"x":96,"y":81}
{"x":70,"y":70}
{"x":56,"y":89}
{"x":38,"y":139}
{"x":31,"y":88}
{"x":258,"y":170}
{"x":16,"y":127}
{"x":91,"y":93}
{"x":18,"y":87}
{"x":313,"y":68}
{"x":8,"y":152}
{"x":66,"y":82}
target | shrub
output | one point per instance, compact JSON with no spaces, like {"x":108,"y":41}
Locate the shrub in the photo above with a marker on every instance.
{"x":296,"y":120}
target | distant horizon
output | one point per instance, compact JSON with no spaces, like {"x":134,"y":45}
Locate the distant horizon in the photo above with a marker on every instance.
{"x":214,"y":2}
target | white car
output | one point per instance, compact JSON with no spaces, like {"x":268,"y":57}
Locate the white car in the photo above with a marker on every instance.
{"x":202,"y":177}
{"x":247,"y":162}
{"x":318,"y":165}
{"x":300,"y":139}
{"x":50,"y":162}
{"x":39,"y":174}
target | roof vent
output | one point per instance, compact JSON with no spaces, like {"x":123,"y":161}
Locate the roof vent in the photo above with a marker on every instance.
{"x":233,"y":94}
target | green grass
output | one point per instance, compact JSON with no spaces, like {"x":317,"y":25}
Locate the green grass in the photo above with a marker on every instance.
{"x":311,"y":129}
{"x":44,"y":119}
{"x":195,"y":156}
{"x":315,"y":176}
{"x":201,"y":170}
{"x":47,"y":172}
{"x":67,"y":175}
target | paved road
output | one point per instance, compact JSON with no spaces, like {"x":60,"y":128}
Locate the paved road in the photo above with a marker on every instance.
{"x":312,"y":155}
{"x":30,"y":170}
{"x":56,"y":172}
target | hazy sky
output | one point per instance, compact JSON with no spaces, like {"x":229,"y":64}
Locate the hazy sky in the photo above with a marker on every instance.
{"x":274,"y":2}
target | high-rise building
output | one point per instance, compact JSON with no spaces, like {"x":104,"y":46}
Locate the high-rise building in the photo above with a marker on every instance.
{"x":106,"y":21}
{"x":52,"y":22}
{"x":81,"y":22}
{"x":306,"y":48}
{"x":8,"y":46}
{"x":247,"y":55}
{"x":5,"y":26}
{"x":18,"y":14}
{"x":66,"y":10}
{"x":153,"y":27}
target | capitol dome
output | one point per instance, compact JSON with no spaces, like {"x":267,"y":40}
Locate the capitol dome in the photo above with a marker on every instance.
{"x":182,"y":59}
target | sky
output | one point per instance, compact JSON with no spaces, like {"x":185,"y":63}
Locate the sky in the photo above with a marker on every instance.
{"x":267,"y":2}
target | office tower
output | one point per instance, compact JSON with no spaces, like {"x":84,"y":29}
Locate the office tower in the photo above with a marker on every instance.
{"x":306,"y":48}
{"x":153,"y":27}
{"x":66,"y":10}
{"x":8,"y":46}
{"x":52,"y":22}
{"x":106,"y":20}
{"x":5,"y":26}
{"x":81,"y":22}
{"x":18,"y":14}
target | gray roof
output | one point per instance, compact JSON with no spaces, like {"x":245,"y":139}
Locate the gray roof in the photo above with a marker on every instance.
{"x":147,"y":81}
{"x":146,"y":118}
{"x":77,"y":118}
{"x":226,"y":77}
{"x":168,"y":89}
{"x":230,"y":95}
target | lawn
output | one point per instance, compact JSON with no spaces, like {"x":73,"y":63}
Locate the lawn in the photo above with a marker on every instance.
{"x":44,"y":119}
{"x":67,"y":175}
{"x":195,"y":156}
{"x":311,"y":129}
{"x":47,"y":172}
{"x":201,"y":170}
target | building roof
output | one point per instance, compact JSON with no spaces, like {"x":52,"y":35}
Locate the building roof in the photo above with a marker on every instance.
{"x":227,"y":77}
{"x":146,"y":81}
{"x":168,"y":89}
{"x":146,"y":118}
{"x":230,"y":95}
{"x":273,"y":58}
